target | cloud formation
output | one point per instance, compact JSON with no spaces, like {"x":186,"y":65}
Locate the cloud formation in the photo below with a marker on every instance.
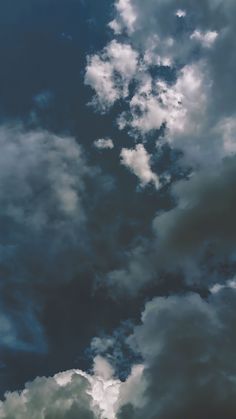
{"x":164,"y":78}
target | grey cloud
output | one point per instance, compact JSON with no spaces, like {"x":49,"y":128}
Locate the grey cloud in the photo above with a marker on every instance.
{"x":188,"y":345}
{"x":195,"y":238}
{"x":204,"y":218}
{"x":42,"y":182}
{"x":43,"y":194}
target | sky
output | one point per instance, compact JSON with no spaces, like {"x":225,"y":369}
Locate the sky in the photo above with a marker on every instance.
{"x":117,"y":209}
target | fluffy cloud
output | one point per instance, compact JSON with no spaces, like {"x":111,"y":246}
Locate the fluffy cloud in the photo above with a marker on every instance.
{"x":74,"y":394}
{"x":138,"y":161}
{"x":186,"y":375}
{"x":126,"y":17}
{"x":61,"y":396}
{"x":190,"y":105}
{"x":182,"y":107}
{"x":110,"y":73}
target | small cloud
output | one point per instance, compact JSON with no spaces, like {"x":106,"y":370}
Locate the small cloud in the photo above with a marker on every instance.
{"x":181,"y":13}
{"x":138,"y":161}
{"x":218,"y":287}
{"x":207,"y":39}
{"x":104,"y":143}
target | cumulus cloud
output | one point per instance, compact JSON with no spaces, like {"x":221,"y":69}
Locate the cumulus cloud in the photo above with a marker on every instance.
{"x":138,"y":161}
{"x":186,"y":375}
{"x":64,"y":396}
{"x":50,"y":397}
{"x":74,"y":394}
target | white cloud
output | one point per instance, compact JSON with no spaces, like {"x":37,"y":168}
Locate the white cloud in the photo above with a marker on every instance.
{"x":126,"y":17}
{"x":219,"y":287}
{"x":110,"y":73}
{"x":187,"y":107}
{"x":138,"y":161}
{"x":181,"y":106}
{"x":180,"y":13}
{"x":104,"y":143}
{"x":207,"y":38}
{"x":99,"y":75}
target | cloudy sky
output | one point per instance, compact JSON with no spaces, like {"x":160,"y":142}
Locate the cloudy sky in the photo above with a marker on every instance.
{"x":117,"y":209}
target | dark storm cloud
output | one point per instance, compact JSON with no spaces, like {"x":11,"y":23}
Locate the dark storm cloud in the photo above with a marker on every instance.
{"x":188,"y":346}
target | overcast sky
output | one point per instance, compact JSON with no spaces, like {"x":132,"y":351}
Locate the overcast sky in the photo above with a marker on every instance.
{"x":117,"y":209}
